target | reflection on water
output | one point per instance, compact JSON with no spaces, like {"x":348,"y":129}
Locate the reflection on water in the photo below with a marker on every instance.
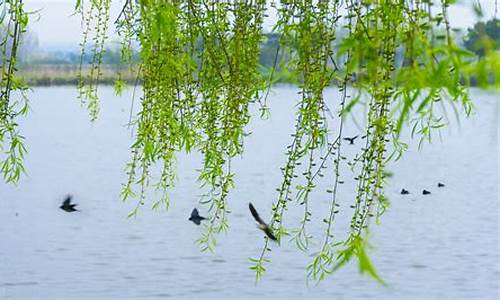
{"x":444,"y":245}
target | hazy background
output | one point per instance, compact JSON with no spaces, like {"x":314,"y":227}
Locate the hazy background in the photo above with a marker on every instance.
{"x":57,"y":27}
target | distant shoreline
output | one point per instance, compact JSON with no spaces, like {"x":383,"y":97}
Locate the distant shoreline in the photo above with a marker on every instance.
{"x":68,"y":74}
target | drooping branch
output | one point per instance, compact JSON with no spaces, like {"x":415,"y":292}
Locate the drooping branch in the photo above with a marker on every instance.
{"x":13,"y":101}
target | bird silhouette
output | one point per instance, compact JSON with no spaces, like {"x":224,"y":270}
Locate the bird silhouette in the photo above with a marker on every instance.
{"x":195,"y":217}
{"x":440,"y":184}
{"x":404,"y":192}
{"x":261,"y":224}
{"x":425,"y":192}
{"x":67,"y":206}
{"x":350,"y":139}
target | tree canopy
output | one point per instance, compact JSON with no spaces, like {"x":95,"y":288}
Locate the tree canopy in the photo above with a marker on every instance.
{"x":483,"y":37}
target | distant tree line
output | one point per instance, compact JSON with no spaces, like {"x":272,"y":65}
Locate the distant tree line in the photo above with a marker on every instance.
{"x":483,"y":37}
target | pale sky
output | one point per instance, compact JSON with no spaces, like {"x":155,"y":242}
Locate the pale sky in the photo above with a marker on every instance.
{"x":57,"y":28}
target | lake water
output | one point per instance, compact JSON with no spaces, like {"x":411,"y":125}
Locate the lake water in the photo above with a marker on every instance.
{"x":441,"y":246}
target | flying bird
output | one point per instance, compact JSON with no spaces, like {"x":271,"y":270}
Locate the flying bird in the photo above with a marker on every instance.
{"x":350,"y":139}
{"x":425,"y":192}
{"x":440,"y":184}
{"x":261,"y":224}
{"x":195,"y":217}
{"x":404,"y":192}
{"x":67,"y":206}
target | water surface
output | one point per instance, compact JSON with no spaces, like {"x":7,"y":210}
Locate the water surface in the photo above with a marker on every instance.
{"x":445,"y":245}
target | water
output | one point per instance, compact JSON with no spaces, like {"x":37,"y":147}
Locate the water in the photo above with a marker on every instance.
{"x":445,"y":245}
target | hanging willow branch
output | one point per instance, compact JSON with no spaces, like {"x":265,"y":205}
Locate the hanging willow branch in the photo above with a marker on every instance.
{"x":96,"y":16}
{"x":13,"y":101}
{"x":377,"y":32}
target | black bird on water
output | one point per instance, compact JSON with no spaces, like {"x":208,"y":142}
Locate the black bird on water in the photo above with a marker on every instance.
{"x":425,"y":192}
{"x":404,"y":192}
{"x":440,"y":184}
{"x":261,"y":224}
{"x":195,"y":217}
{"x":67,"y":206}
{"x":350,"y":139}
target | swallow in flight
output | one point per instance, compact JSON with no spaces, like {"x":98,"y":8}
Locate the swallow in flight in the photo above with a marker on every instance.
{"x":195,"y":217}
{"x":350,"y":139}
{"x":67,"y":206}
{"x":261,"y":224}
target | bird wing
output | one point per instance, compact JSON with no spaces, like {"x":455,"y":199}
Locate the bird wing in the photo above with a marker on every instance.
{"x":196,"y":221}
{"x":346,"y":139}
{"x":194,"y":213}
{"x":355,"y":137}
{"x":67,"y":201}
{"x":255,"y":214}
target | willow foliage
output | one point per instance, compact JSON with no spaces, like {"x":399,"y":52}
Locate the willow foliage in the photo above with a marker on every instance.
{"x":200,"y":75}
{"x":13,"y":102}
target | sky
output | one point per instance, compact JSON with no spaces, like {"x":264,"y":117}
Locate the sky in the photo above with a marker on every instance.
{"x":57,"y":28}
